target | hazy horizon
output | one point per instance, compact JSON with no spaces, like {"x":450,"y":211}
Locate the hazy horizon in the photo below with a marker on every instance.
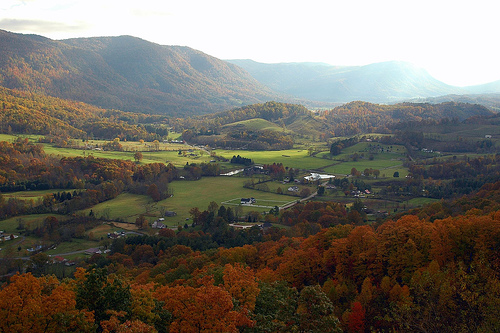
{"x":451,"y":40}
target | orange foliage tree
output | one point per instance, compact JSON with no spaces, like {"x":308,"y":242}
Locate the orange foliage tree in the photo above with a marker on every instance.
{"x":207,"y":308}
{"x":30,"y":304}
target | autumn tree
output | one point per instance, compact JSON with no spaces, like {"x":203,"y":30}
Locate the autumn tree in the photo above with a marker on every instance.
{"x":240,"y":282}
{"x":156,"y":143}
{"x":141,"y":222}
{"x":138,"y":156}
{"x":207,"y":308}
{"x":356,"y":318}
{"x":29,"y":304}
{"x":154,"y":193}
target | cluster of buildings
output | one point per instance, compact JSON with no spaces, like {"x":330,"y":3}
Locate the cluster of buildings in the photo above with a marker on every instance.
{"x":6,"y":237}
{"x":116,"y":234}
{"x":248,"y":201}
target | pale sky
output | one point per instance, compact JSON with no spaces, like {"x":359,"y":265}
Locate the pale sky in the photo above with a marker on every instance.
{"x":455,"y":41}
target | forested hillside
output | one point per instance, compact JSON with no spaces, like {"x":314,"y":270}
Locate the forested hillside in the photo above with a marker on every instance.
{"x":345,"y":120}
{"x":126,"y":73}
{"x":362,"y":117}
{"x":31,"y":113}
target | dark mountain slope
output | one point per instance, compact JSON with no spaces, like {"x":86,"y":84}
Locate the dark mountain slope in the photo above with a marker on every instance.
{"x":126,"y":73}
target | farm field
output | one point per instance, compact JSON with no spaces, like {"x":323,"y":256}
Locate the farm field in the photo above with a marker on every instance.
{"x":188,"y":155}
{"x":125,"y":207}
{"x":257,"y":124}
{"x":292,"y":158}
{"x":386,"y":169}
{"x":189,"y":194}
{"x":34,"y":195}
{"x":186,"y":195}
{"x":73,"y":246}
{"x":12,"y":137}
{"x":10,"y":225}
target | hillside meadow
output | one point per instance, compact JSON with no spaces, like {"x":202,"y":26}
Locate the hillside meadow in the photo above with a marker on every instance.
{"x":189,"y":194}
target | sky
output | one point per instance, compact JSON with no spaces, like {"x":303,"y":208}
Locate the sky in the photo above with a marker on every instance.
{"x":455,"y":41}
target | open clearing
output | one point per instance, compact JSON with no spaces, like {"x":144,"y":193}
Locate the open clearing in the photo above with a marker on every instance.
{"x":189,"y":194}
{"x":259,"y":203}
{"x":126,"y":207}
{"x":34,"y":195}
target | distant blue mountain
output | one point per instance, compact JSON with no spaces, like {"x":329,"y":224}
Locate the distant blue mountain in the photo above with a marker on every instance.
{"x":383,"y":82}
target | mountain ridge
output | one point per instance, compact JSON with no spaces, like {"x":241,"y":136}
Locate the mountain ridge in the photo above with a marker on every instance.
{"x":133,"y":74}
{"x":126,"y":73}
{"x":383,"y":82}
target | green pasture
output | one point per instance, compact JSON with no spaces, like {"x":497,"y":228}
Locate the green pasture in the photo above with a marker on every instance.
{"x":14,"y":137}
{"x":133,"y":146}
{"x":161,"y":156}
{"x":30,"y":221}
{"x":293,"y":158}
{"x":73,"y":246}
{"x":126,"y":207}
{"x":256,"y":124}
{"x":189,"y":194}
{"x":34,"y":195}
{"x":418,"y":202}
{"x":386,"y":167}
{"x":186,"y":195}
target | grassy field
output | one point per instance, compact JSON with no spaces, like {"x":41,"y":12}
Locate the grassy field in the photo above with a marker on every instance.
{"x":418,"y":202}
{"x":188,"y":155}
{"x":470,"y":131}
{"x":13,"y":137}
{"x":10,"y":225}
{"x":293,"y":158}
{"x":388,"y":161}
{"x":74,"y":245}
{"x":257,"y":124}
{"x":33,"y":195}
{"x":186,"y":195}
{"x":189,"y":194}
{"x":126,"y":207}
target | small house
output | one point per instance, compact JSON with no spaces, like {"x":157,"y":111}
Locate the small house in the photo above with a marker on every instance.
{"x":158,"y":225}
{"x":248,"y":201}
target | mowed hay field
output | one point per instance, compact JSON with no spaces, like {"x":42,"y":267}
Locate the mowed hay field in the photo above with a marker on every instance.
{"x":126,"y":207}
{"x":186,"y":195}
{"x":292,"y":158}
{"x":167,"y":153}
{"x":35,"y":195}
{"x":31,"y":221}
{"x":189,"y":194}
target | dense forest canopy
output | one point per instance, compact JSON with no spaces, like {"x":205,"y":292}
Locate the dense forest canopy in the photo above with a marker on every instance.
{"x":406,"y":274}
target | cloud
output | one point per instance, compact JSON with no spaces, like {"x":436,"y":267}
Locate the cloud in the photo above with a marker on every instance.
{"x":41,"y":26}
